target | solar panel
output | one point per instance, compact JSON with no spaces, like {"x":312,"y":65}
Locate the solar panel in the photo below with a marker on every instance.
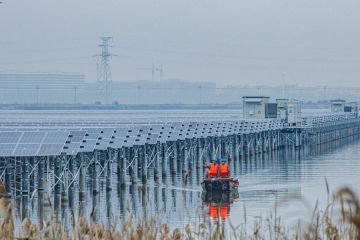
{"x":71,"y":148}
{"x":9,"y":137}
{"x":92,"y":135}
{"x":152,"y":139}
{"x":92,"y":130}
{"x":129,"y":142}
{"x":50,"y":149}
{"x":77,"y":136}
{"x":7,"y":150}
{"x":26,"y":150}
{"x":107,"y":132}
{"x":102,"y":144}
{"x":32,"y":137}
{"x":56,"y":137}
{"x":88,"y":146}
{"x":117,"y":142}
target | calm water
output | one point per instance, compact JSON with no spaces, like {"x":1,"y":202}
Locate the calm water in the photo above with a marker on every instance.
{"x":294,"y":179}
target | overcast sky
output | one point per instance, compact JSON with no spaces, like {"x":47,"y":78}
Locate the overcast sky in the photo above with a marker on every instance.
{"x":314,"y":42}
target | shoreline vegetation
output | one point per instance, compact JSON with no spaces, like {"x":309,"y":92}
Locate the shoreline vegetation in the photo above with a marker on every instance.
{"x":339,"y":220}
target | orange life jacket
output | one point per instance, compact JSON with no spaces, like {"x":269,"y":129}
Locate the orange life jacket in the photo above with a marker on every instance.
{"x":213,"y":170}
{"x":224,"y":170}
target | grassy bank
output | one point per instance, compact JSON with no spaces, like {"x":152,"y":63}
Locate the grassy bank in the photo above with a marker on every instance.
{"x":339,"y":220}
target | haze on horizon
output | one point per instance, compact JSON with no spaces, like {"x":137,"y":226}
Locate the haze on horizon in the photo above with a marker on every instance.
{"x":228,"y":42}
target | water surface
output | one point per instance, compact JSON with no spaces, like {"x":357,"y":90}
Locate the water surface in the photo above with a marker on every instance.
{"x":294,"y":180}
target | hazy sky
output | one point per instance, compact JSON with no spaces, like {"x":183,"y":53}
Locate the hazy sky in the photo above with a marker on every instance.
{"x":314,"y":42}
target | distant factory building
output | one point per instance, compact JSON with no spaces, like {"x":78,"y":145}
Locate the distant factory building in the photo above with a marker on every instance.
{"x":150,"y":92}
{"x":33,"y":88}
{"x":39,"y":87}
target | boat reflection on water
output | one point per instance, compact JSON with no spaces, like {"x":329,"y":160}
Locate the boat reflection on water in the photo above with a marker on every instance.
{"x":219,"y":203}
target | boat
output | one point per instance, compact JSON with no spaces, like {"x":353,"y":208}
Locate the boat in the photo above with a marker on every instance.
{"x":222,"y":184}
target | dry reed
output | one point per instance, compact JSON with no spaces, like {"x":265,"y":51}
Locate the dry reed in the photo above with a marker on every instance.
{"x":340,"y":220}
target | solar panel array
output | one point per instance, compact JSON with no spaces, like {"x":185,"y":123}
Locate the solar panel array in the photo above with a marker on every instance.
{"x":32,"y":143}
{"x":328,"y":118}
{"x":52,"y":139}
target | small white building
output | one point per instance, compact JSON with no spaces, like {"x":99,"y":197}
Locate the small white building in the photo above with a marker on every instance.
{"x":282,"y":108}
{"x":338,"y":105}
{"x":289,"y":110}
{"x":294,"y":112}
{"x":254,"y":106}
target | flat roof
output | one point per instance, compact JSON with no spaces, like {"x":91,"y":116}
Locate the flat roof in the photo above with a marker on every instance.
{"x":255,"y":97}
{"x":338,"y":100}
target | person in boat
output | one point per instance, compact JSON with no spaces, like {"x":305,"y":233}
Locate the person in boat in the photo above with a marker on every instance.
{"x":224,"y":168}
{"x":213,"y":169}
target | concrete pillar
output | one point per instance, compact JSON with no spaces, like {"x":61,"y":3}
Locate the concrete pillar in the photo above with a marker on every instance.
{"x":8,"y":174}
{"x":121,"y":167}
{"x":185,"y":157}
{"x":25,"y":176}
{"x":95,"y":173}
{"x":82,"y":176}
{"x":132,"y":168}
{"x":156,"y":161}
{"x":109,"y":171}
{"x":163,"y":159}
{"x":198,"y":158}
{"x":172,"y":158}
{"x":32,"y":175}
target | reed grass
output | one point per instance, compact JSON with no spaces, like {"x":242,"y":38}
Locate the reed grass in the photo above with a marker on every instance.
{"x":339,"y":220}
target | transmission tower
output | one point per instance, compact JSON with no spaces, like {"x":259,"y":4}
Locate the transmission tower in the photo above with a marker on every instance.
{"x":103,"y":64}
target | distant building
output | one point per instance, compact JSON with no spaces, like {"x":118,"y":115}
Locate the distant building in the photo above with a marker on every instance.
{"x":289,"y":110}
{"x":337,"y":105}
{"x":150,"y":92}
{"x":32,"y":88}
{"x":294,"y":112}
{"x":282,"y":108}
{"x":40,"y":87}
{"x":254,"y":106}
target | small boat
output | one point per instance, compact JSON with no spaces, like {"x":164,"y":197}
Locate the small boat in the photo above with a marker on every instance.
{"x":223,"y":184}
